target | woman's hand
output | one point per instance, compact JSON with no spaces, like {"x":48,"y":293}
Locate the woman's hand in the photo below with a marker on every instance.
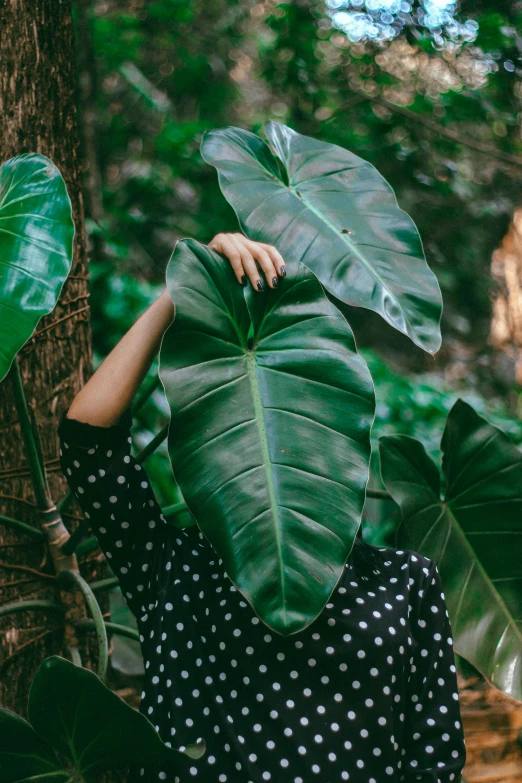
{"x":243,"y":254}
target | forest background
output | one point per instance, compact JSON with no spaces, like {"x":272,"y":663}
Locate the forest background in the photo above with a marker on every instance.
{"x":429,"y":92}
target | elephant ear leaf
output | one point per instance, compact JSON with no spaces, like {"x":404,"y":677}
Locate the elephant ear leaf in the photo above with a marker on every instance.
{"x":473,"y":534}
{"x":271,"y":409}
{"x":333,"y":211}
{"x":36,"y":237}
{"x":24,"y":755}
{"x":90,"y":725}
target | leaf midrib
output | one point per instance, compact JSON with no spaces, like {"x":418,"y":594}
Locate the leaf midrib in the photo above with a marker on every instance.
{"x":454,"y":524}
{"x":351,"y":246}
{"x":267,"y":464}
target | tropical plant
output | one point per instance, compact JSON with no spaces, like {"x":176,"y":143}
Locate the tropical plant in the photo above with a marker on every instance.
{"x":275,"y":376}
{"x":270,"y":438}
{"x":77,"y":729}
{"x":331,"y":210}
{"x":472,"y":530}
{"x":35,"y":238}
{"x":272,"y":411}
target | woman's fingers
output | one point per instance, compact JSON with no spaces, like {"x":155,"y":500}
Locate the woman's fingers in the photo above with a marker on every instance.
{"x":246,"y":256}
{"x":222,"y":244}
{"x":260,"y":253}
{"x":247,"y":260}
{"x":277,"y":258}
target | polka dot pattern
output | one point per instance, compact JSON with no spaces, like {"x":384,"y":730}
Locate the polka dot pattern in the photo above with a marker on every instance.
{"x":366,"y":693}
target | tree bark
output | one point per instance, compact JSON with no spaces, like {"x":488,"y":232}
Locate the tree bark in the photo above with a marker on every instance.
{"x":38,"y":114}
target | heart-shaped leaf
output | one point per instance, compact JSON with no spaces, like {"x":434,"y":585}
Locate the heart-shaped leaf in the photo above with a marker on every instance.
{"x":36,"y":236}
{"x":326,"y":207}
{"x":87,"y":723}
{"x":269,"y":440}
{"x":474,"y":534}
{"x":24,"y":755}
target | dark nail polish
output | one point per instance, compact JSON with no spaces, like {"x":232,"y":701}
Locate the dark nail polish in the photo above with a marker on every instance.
{"x":244,"y":280}
{"x":275,"y":282}
{"x":259,"y":285}
{"x":283,"y":271}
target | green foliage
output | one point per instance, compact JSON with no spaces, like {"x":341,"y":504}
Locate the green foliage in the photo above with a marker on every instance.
{"x":270,"y":430}
{"x":36,"y":235}
{"x":163,"y":75}
{"x":334,"y":212}
{"x":471,"y":528}
{"x":460,"y":199}
{"x":418,"y":405}
{"x":221,"y":63}
{"x":198,"y":66}
{"x":73,"y":714}
{"x":24,"y":755}
{"x":126,"y":654}
{"x":218,"y":64}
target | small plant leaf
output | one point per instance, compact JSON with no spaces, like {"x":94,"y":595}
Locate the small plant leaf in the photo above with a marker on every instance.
{"x":36,"y":238}
{"x":89,"y":724}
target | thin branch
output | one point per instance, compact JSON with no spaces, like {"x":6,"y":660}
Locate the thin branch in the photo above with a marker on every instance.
{"x":149,"y":389}
{"x":152,"y":445}
{"x":478,"y":146}
{"x":19,"y":500}
{"x":73,"y":579}
{"x":104,"y":584}
{"x":58,"y":321}
{"x":14,"y":582}
{"x":31,"y":604}
{"x":121,"y":630}
{"x":22,"y":527}
{"x":27,"y":569}
{"x":27,"y":643}
{"x":378,"y":494}
{"x":18,"y":543}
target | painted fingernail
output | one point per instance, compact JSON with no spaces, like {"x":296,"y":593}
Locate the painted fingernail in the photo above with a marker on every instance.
{"x":275,"y":282}
{"x":282,"y":271}
{"x":259,"y":285}
{"x":244,"y":280}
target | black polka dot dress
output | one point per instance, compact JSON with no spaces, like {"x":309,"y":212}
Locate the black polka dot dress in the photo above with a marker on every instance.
{"x":367,"y":693}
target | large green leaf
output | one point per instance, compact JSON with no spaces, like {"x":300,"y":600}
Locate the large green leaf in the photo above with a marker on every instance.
{"x":474,"y":534}
{"x":326,"y":207}
{"x":24,"y":755}
{"x":126,"y":656}
{"x":269,"y":439}
{"x":36,"y":236}
{"x":81,"y":718}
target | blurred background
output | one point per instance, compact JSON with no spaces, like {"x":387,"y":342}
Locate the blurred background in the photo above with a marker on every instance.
{"x":429,"y":91}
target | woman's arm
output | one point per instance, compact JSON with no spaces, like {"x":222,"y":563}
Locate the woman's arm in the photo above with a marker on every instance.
{"x":110,"y":390}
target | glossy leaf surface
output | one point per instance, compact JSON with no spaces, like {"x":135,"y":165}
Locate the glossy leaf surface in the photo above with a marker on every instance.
{"x":474,"y":534}
{"x":269,"y":437}
{"x":326,"y":207}
{"x":36,"y":237}
{"x":24,"y":755}
{"x":81,"y":718}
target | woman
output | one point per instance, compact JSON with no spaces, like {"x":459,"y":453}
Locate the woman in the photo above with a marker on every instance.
{"x":367,"y":693}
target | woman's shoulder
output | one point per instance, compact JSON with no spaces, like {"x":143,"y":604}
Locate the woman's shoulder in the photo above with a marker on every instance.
{"x":390,"y":562}
{"x":415,"y":563}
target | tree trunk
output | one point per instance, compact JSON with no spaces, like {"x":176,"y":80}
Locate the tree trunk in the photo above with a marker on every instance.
{"x":38,"y":114}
